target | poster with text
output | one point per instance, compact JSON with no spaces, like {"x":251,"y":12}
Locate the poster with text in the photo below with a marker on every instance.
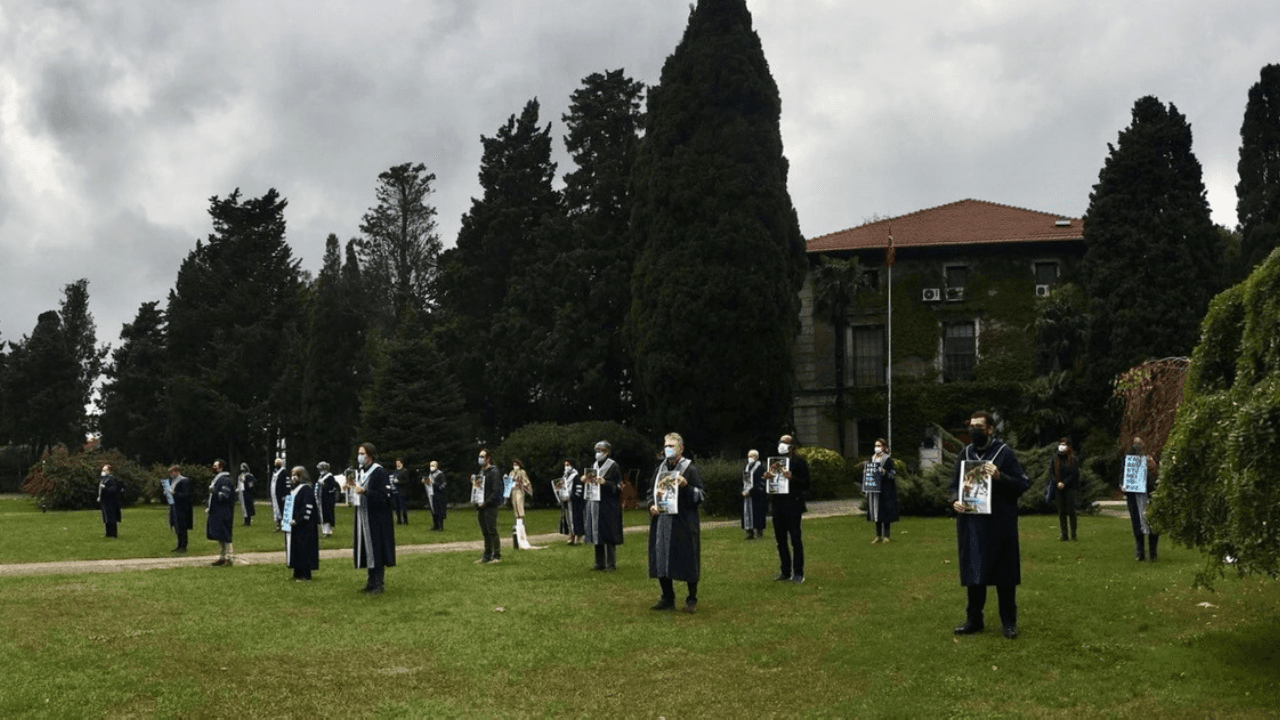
{"x":1135,"y":473}
{"x":777,"y":483}
{"x":870,"y":477}
{"x":975,"y":488}
{"x":286,"y":515}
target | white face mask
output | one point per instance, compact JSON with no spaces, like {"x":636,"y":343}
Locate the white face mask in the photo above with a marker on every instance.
{"x":362,"y":460}
{"x":1062,"y":448}
{"x":753,"y":459}
{"x":879,"y":449}
{"x":668,"y":452}
{"x":783,"y":448}
{"x":480,"y":461}
{"x":601,"y":456}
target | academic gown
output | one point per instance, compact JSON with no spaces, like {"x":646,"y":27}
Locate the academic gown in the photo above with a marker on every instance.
{"x":578,"y":506}
{"x":244,"y":494}
{"x":988,"y":544}
{"x":755,"y":506}
{"x":302,"y":543}
{"x":180,"y":510}
{"x":566,"y":506}
{"x":328,"y":497}
{"x":374,"y":535}
{"x":221,"y":505}
{"x":888,"y":492}
{"x":675,"y":541}
{"x":439,"y":495}
{"x":279,"y":491}
{"x":109,"y":489}
{"x":604,"y":518}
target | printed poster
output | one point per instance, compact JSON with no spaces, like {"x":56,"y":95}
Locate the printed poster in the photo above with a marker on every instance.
{"x":562,"y":490}
{"x":776,"y":483}
{"x":1135,"y":473}
{"x":286,"y":515}
{"x":593,"y":492}
{"x":975,"y":488}
{"x":477,"y":490}
{"x":168,"y":490}
{"x":666,"y":493}
{"x":508,"y":482}
{"x":870,"y":477}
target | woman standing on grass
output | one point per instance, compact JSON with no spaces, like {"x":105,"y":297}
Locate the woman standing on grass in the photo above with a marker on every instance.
{"x":221,"y":507}
{"x":882,"y":502}
{"x":520,"y":487}
{"x":1064,"y":487}
{"x":374,"y":541}
{"x":301,"y":543}
{"x":109,"y":500}
{"x":577,"y":507}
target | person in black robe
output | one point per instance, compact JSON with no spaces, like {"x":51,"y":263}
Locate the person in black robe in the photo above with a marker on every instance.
{"x":179,"y":506}
{"x":604,"y":517}
{"x":988,"y":544}
{"x":1063,"y":488}
{"x":437,"y":495}
{"x":578,"y":509}
{"x":109,"y":491}
{"x":675,"y":539}
{"x":374,"y":544}
{"x":326,"y":491}
{"x":400,"y":480}
{"x":301,"y":540}
{"x":244,"y":493}
{"x":755,"y":502}
{"x":490,"y":480}
{"x":1137,"y":504}
{"x":787,"y":511}
{"x":882,"y":503}
{"x":564,"y":496}
{"x":220,"y":508}
{"x":279,"y":490}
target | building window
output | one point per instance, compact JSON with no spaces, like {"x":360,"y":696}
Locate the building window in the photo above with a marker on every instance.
{"x":959,"y":351}
{"x":864,"y":353}
{"x":957,"y":276}
{"x":1046,"y":273}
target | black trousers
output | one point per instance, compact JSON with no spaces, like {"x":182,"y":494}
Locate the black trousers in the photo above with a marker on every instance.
{"x":488,"y":519}
{"x":606,"y":555}
{"x":1066,"y":500}
{"x":669,"y":591}
{"x":882,"y":529}
{"x":1007,"y":595}
{"x":786,"y":529}
{"x":182,"y":539}
{"x":112,"y":531}
{"x":377,"y":576}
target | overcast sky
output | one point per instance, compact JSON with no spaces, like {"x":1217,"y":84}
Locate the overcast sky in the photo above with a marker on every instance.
{"x":119,"y":120}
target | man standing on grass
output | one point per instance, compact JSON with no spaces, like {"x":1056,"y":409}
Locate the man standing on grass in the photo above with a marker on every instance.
{"x":490,"y":482}
{"x":675,"y":538}
{"x":279,"y":490}
{"x":788,"y":508}
{"x":604,"y":515}
{"x":374,"y":537}
{"x":220,"y":508}
{"x":180,"y":507}
{"x":109,"y":491}
{"x":988,"y":544}
{"x":244,"y":493}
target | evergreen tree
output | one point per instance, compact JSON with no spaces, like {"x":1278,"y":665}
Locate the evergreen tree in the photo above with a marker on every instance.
{"x":81,"y":333}
{"x":236,"y":302}
{"x":715,"y":303}
{"x":1258,"y":192}
{"x":495,"y":240}
{"x":1153,"y":258}
{"x":134,"y":415}
{"x":45,"y":402}
{"x":337,"y":362}
{"x":400,"y":249}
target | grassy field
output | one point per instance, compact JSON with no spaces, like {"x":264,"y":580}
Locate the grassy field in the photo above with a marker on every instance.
{"x":868,"y":635}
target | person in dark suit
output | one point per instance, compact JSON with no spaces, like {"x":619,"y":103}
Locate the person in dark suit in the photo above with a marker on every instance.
{"x":180,"y":507}
{"x":490,"y":481}
{"x":787,"y":510}
{"x":399,"y":489}
{"x":109,"y":492}
{"x":1063,"y":487}
{"x":988,"y":544}
{"x":374,"y":536}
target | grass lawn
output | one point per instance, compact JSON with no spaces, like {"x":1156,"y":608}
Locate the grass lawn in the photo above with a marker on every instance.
{"x":868,"y":635}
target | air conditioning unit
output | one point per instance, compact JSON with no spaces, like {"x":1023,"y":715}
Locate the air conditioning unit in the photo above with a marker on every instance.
{"x":955,"y":294}
{"x":1042,"y":290}
{"x":932,"y":295}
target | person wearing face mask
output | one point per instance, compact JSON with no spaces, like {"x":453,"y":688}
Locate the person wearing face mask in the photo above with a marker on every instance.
{"x":882,"y":503}
{"x":787,"y":511}
{"x":399,"y":488}
{"x":1063,"y":488}
{"x":244,"y":493}
{"x":301,"y":542}
{"x":437,"y":495}
{"x":279,"y":485}
{"x":577,"y":508}
{"x":604,"y":517}
{"x":1137,"y":502}
{"x":220,"y":508}
{"x":374,"y":542}
{"x":675,"y":539}
{"x":180,"y":508}
{"x":109,"y":490}
{"x":326,"y":491}
{"x":490,"y":480}
{"x":988,"y":544}
{"x":754,"y":500}
{"x":564,"y":492}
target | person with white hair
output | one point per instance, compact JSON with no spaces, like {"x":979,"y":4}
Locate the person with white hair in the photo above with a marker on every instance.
{"x":244,"y":493}
{"x":675,"y":534}
{"x":327,"y":496}
{"x":604,"y":509}
{"x":755,"y":501}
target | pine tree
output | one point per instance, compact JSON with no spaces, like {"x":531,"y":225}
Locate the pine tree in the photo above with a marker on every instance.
{"x":1258,"y":192}
{"x":400,"y":249}
{"x":715,"y":293}
{"x":82,"y":336}
{"x":134,"y":416}
{"x":45,"y":402}
{"x":1153,"y":258}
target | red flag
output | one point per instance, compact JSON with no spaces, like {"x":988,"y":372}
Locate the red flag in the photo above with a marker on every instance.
{"x":888,"y":251}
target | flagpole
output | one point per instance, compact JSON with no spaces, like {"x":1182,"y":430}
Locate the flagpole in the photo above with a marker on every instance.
{"x":889,"y":253}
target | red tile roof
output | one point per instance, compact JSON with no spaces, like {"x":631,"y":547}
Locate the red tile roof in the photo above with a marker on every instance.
{"x":967,"y":222}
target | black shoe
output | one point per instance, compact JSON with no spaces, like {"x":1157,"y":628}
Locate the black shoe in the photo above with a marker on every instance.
{"x":1011,"y":632}
{"x":782,"y":577}
{"x":690,"y":607}
{"x":664,"y":605}
{"x":797,"y":579}
{"x":969,"y":628}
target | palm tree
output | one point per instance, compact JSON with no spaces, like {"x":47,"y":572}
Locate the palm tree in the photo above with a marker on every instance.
{"x":837,"y":284}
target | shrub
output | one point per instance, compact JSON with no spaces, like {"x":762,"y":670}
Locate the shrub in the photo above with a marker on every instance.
{"x":722,"y":481}
{"x":829,"y":475}
{"x":542,"y":447}
{"x":200,"y":475}
{"x":61,"y":481}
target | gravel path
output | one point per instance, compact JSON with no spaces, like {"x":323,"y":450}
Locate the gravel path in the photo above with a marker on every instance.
{"x":827,"y":508}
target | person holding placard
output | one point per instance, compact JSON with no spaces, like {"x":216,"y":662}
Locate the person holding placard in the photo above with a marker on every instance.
{"x":988,"y":542}
{"x":279,"y":486}
{"x":486,"y":495}
{"x":787,"y":480}
{"x":1063,"y":488}
{"x":179,"y":496}
{"x":301,"y":522}
{"x":326,"y":491}
{"x":563,"y":487}
{"x":755,"y":500}
{"x":220,"y":508}
{"x":399,"y":489}
{"x":675,"y":535}
{"x":1140,"y":477}
{"x":604,"y":508}
{"x":374,"y":542}
{"x":244,"y":493}
{"x":880,"y":486}
{"x":109,"y":492}
{"x":437,"y":496}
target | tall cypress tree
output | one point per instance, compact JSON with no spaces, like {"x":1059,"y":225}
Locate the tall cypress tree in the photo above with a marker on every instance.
{"x":715,"y":305}
{"x":134,"y":419}
{"x":1258,"y":192}
{"x":1153,"y":258}
{"x":82,"y":337}
{"x":45,"y":403}
{"x":400,"y":248}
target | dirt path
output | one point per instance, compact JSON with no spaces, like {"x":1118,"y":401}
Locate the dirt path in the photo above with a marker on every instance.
{"x":830,"y":508}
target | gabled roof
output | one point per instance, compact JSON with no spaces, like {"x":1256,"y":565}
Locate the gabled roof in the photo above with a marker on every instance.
{"x":967,"y":222}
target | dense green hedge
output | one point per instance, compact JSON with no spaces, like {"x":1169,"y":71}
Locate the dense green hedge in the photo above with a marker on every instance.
{"x":70,"y":482}
{"x":542,"y":447}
